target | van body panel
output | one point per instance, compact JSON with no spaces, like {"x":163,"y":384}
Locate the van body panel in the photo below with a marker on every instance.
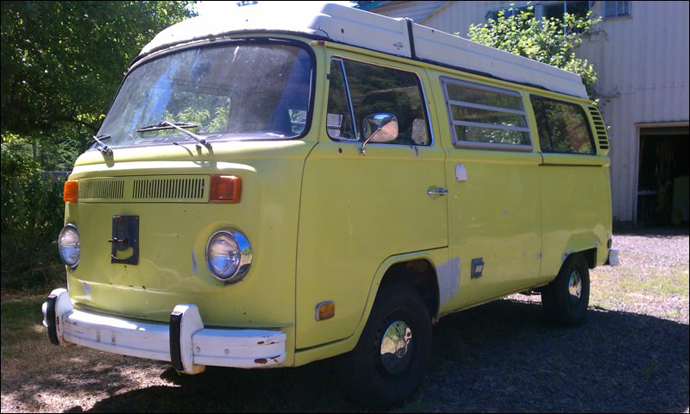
{"x":437,"y":257}
{"x":494,"y":210}
{"x":576,"y":210}
{"x":356,"y":211}
{"x":494,"y":217}
{"x":172,"y":266}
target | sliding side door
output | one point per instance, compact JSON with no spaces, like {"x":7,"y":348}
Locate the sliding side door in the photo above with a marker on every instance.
{"x":494,"y":191}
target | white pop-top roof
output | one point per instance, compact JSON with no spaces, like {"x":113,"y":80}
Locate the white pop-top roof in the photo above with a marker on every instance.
{"x":376,"y":32}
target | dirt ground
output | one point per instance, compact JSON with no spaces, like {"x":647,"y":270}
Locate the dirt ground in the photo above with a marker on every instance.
{"x":630,"y":356}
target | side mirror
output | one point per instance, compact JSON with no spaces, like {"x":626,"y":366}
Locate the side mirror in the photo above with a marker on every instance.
{"x":381,"y":127}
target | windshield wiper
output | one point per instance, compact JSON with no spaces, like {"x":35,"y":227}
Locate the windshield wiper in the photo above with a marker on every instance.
{"x":180,"y":127}
{"x":167,"y":125}
{"x":104,"y":148}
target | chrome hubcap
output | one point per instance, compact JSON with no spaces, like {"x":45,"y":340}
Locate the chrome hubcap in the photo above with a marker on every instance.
{"x":395,"y":345}
{"x":575,"y":284}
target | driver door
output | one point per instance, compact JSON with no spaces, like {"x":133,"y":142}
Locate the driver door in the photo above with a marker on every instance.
{"x":357,"y":210}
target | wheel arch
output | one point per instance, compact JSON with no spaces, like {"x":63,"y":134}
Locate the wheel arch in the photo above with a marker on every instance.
{"x":421,"y":275}
{"x":387,"y":272}
{"x":417,"y":269}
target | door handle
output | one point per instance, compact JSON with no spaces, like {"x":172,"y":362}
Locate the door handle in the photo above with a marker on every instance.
{"x":437,"y":191}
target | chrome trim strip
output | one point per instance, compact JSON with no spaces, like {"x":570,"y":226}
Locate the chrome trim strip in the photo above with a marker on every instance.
{"x":490,"y":126}
{"x":438,"y":191}
{"x":494,"y":146}
{"x":349,"y":102}
{"x":479,"y":86}
{"x":486,"y":107}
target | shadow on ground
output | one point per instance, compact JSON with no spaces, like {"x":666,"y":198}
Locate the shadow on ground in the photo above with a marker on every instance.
{"x":498,"y":357}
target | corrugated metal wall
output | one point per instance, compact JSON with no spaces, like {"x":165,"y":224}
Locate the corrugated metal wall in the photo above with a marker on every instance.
{"x":642,"y":62}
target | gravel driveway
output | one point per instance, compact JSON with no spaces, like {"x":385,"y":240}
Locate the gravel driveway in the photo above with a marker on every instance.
{"x":630,"y":356}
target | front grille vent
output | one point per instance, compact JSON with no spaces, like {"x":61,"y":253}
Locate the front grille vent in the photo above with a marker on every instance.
{"x":169,"y":189}
{"x":599,"y":129}
{"x":101,"y":189}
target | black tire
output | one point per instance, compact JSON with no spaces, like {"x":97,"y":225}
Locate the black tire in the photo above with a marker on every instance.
{"x":381,"y":381}
{"x":559,"y":299}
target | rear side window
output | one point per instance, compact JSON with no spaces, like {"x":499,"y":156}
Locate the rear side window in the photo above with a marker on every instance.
{"x":486,"y":117}
{"x":562,"y":127}
{"x":371,"y":90}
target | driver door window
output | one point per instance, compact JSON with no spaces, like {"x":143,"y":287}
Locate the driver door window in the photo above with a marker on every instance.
{"x":372,"y":90}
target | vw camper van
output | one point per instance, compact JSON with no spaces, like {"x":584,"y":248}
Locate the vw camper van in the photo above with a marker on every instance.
{"x":267,"y":193}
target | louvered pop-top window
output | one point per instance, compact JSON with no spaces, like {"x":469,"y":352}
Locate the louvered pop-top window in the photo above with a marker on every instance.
{"x":486,"y":117}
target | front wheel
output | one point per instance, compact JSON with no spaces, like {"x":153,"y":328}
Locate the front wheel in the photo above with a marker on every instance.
{"x":565,"y":299}
{"x":393,"y":352}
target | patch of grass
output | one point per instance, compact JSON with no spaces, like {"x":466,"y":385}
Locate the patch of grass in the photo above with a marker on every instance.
{"x":676,"y":314}
{"x":22,"y":327}
{"x":678,"y":283}
{"x":675,"y":283}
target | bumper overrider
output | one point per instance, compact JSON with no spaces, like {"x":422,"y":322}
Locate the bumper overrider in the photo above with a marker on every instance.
{"x":613,"y":259}
{"x":185,"y":342}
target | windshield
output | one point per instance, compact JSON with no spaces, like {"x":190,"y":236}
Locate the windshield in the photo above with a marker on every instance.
{"x":231,"y":91}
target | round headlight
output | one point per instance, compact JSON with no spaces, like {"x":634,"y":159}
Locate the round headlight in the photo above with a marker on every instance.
{"x":68,"y":244}
{"x":228,"y":255}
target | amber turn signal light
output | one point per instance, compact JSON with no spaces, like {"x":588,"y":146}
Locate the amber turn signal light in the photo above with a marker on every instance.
{"x":226,"y":189}
{"x":71,"y":193}
{"x":325,"y":310}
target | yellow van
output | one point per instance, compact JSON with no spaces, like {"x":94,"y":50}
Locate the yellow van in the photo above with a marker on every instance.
{"x":268,"y":193}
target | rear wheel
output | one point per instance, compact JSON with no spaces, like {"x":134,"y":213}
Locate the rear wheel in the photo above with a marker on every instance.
{"x":565,"y":299}
{"x":392,"y":355}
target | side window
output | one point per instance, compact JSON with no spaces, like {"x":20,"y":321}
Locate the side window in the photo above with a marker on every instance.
{"x":483,"y":116}
{"x":339,"y":118}
{"x":562,"y":127}
{"x":616,"y":9}
{"x":376,"y":89}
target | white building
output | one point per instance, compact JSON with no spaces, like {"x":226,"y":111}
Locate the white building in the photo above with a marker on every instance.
{"x":641,"y":58}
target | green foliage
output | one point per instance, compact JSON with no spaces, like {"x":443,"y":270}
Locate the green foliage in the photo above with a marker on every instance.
{"x":62,"y":63}
{"x":551,"y":41}
{"x":202,"y":117}
{"x":32,"y":211}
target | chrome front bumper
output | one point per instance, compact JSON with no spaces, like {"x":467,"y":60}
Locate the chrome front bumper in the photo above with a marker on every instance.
{"x":185,"y":341}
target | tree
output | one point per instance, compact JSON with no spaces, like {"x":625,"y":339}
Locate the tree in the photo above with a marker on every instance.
{"x":62,"y":62}
{"x":551,"y":41}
